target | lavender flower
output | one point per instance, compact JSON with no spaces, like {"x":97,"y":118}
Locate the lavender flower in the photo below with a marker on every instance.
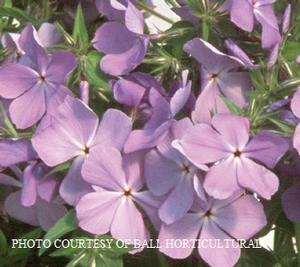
{"x":226,"y":143}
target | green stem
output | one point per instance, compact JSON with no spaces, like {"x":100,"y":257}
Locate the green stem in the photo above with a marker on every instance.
{"x":155,"y":13}
{"x":297,"y":235}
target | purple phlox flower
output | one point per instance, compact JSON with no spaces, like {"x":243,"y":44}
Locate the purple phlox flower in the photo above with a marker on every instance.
{"x":133,"y":92}
{"x":39,"y":82}
{"x":167,"y":172}
{"x":37,"y":202}
{"x":237,"y":52}
{"x":244,"y":14}
{"x":72,"y":133}
{"x":163,"y":114}
{"x":238,"y":217}
{"x":117,"y":185}
{"x":226,"y":143}
{"x":47,"y":36}
{"x":298,"y":59}
{"x":220,"y":76}
{"x":125,"y":46}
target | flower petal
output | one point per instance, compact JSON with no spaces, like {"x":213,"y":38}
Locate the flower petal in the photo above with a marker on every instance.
{"x":242,"y":218}
{"x":257,"y":178}
{"x":186,"y":228}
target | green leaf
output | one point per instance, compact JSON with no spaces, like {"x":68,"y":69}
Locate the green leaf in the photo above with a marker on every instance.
{"x":94,"y":74}
{"x":233,"y":108}
{"x":3,"y":243}
{"x":65,"y":225}
{"x":80,"y":33}
{"x":20,"y":15}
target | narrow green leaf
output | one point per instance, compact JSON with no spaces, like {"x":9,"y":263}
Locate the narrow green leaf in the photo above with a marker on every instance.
{"x":3,"y":243}
{"x":80,"y":33}
{"x":94,"y":74}
{"x":65,"y":225}
{"x":20,"y":15}
{"x":233,"y":108}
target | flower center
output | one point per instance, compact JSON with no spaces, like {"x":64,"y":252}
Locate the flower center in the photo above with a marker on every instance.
{"x":127,"y":193}
{"x":208,"y":213}
{"x":186,"y":169}
{"x":86,"y":150}
{"x":237,"y":153}
{"x":42,"y":78}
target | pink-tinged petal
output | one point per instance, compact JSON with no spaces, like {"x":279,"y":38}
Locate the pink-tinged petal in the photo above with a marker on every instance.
{"x":73,"y":187}
{"x":267,"y":148}
{"x":49,"y":35}
{"x":209,"y":102}
{"x":15,"y":209}
{"x":113,"y":38}
{"x":298,"y":59}
{"x":221,"y":180}
{"x":128,"y":93}
{"x":161,"y":174}
{"x":49,"y":213}
{"x":114,"y":129}
{"x":257,"y":178}
{"x":15,"y":79}
{"x":29,"y":188}
{"x":160,"y":110}
{"x":7,"y":180}
{"x":270,"y":31}
{"x":235,"y":85}
{"x":129,"y":215}
{"x":95,"y":211}
{"x":134,"y":19}
{"x":202,"y":144}
{"x":296,"y":138}
{"x":186,"y":228}
{"x":273,"y":56}
{"x":143,"y":139}
{"x":290,"y":203}
{"x":234,"y":129}
{"x":55,"y":96}
{"x":226,"y":254}
{"x":84,"y":91}
{"x":133,"y":167}
{"x":177,"y":131}
{"x":103,"y":167}
{"x":120,"y":64}
{"x":179,"y":99}
{"x":178,"y":202}
{"x":295,"y":103}
{"x":209,"y":57}
{"x":241,"y":14}
{"x":60,"y":66}
{"x":236,"y":51}
{"x":241,"y":219}
{"x":74,"y":126}
{"x":286,"y":18}
{"x":15,"y":151}
{"x":32,"y":46}
{"x":48,"y":188}
{"x":22,"y":111}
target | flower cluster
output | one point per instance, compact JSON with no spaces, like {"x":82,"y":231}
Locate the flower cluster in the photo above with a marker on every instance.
{"x":189,"y":145}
